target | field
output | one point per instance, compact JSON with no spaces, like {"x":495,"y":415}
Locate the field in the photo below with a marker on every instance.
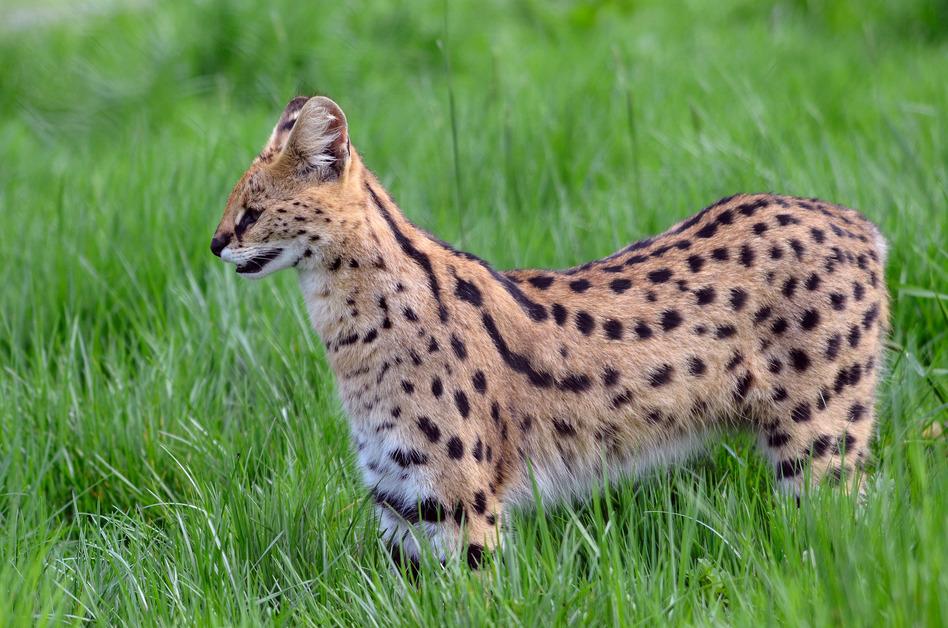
{"x":171,"y":447}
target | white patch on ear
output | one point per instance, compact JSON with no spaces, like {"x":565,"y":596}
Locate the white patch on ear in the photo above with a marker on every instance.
{"x":318,"y":145}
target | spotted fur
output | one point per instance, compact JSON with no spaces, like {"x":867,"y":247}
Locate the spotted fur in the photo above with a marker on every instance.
{"x":466,"y":387}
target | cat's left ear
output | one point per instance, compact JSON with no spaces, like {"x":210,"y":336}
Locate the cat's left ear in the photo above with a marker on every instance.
{"x":318,"y":145}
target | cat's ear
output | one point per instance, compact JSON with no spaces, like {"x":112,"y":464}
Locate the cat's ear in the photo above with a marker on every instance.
{"x":318,"y":144}
{"x":281,"y":132}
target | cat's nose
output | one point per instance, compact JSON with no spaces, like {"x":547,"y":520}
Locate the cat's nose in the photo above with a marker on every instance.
{"x":218,"y":242}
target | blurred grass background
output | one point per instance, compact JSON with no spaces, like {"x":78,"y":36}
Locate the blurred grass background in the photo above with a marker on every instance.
{"x":171,"y":450}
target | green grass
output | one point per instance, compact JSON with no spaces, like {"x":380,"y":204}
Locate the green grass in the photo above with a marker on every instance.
{"x":171,"y":449}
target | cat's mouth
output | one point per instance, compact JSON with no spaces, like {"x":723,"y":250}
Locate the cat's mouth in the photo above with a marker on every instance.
{"x":256,"y":263}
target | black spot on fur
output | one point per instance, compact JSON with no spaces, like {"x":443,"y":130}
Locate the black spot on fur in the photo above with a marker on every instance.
{"x":789,"y":468}
{"x":559,"y":314}
{"x":838,"y":301}
{"x":762,"y":314}
{"x":854,"y":336}
{"x":707,"y":231}
{"x":613,"y":329}
{"x":563,"y":428}
{"x":460,"y":349}
{"x":859,"y":291}
{"x":622,"y":399}
{"x":738,"y":299}
{"x":812,"y":282}
{"x":480,"y":382}
{"x":705,"y":295}
{"x":856,"y":412}
{"x":744,"y":384}
{"x":832,"y":346}
{"x":696,"y":366}
{"x":478,"y":452}
{"x":660,"y":276}
{"x":408,"y":457}
{"x":801,"y":413}
{"x":695,"y":263}
{"x":642,"y":330}
{"x":747,"y":256}
{"x":541,"y":282}
{"x":799,"y":360}
{"x":810,"y":319}
{"x":661,"y":376}
{"x":579,"y":285}
{"x":620,"y":285}
{"x":670,"y":320}
{"x":455,"y":448}
{"x":584,"y":322}
{"x":870,"y":316}
{"x":573,"y":382}
{"x":736,"y":359}
{"x":462,"y":404}
{"x":475,"y":555}
{"x":720,"y":254}
{"x":480,"y":502}
{"x":610,"y":377}
{"x":798,"y":248}
{"x":820,"y":445}
{"x":789,"y":287}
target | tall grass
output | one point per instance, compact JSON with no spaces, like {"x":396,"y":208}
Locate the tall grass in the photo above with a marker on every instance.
{"x":171,"y":450}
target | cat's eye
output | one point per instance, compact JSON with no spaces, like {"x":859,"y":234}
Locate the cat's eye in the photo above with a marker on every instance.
{"x":249,"y":217}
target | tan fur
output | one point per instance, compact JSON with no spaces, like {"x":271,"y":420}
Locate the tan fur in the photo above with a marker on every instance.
{"x":466,"y":388}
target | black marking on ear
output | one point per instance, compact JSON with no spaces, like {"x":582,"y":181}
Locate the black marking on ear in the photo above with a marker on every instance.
{"x":409,"y":249}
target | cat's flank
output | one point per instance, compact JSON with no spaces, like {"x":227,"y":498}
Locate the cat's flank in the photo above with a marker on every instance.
{"x":465,"y":385}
